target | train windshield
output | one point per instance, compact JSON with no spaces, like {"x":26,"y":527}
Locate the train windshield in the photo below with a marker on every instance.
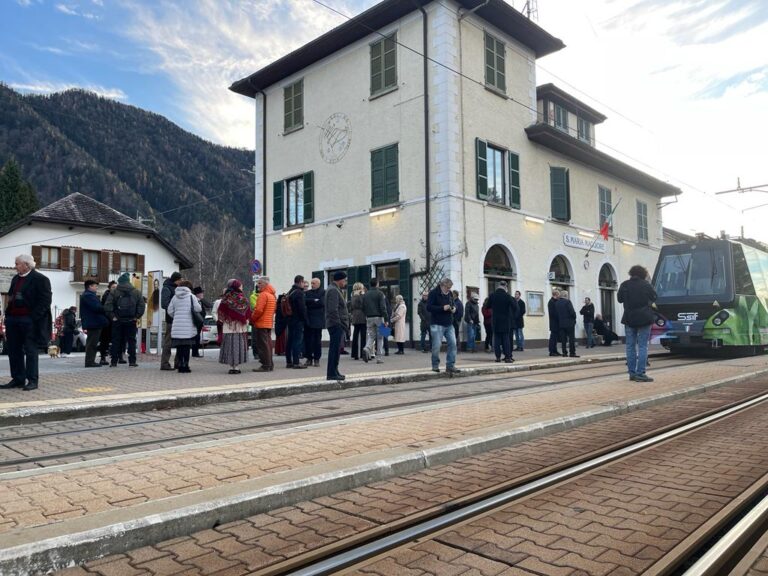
{"x":697,"y":270}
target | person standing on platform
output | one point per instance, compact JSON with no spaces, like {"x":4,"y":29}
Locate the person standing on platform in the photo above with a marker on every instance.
{"x":336,"y":321}
{"x":566,"y":322}
{"x":423,"y":320}
{"x":296,"y":323}
{"x":520,"y":323}
{"x":167,"y":292}
{"x":262,"y":320}
{"x":205,"y":307}
{"x":398,"y":323}
{"x":105,"y":340}
{"x":472,"y":320}
{"x":68,"y":328}
{"x":28,"y":322}
{"x":588,"y":312}
{"x":554,"y":328}
{"x":93,"y":320}
{"x":375,"y":308}
{"x":638,"y":296}
{"x":234,"y":313}
{"x":315,"y":300}
{"x":487,"y":312}
{"x":184,"y":333}
{"x":125,"y":306}
{"x":357,"y":315}
{"x":441,"y":310}
{"x":504,"y":308}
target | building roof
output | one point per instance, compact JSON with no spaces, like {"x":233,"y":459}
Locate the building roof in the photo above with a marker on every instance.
{"x":82,"y":211}
{"x":497,"y":12}
{"x":557,"y":140}
{"x":555,"y":94}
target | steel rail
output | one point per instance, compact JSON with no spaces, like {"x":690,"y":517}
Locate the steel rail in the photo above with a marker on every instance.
{"x":360,"y":553}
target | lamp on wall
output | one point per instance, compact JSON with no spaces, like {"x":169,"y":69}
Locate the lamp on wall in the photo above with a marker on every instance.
{"x":292,"y":232}
{"x":534,"y":220}
{"x":586,"y":234}
{"x":382,"y":212}
{"x":628,"y":243}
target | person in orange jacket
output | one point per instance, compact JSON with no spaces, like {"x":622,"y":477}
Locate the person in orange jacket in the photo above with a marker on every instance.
{"x":262,"y":319}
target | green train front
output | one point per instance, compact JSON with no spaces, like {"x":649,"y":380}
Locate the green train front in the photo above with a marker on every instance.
{"x":712,"y":294}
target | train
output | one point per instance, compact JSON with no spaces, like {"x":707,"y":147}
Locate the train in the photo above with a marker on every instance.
{"x":712,"y":294}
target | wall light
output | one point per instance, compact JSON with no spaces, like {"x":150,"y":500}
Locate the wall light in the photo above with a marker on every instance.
{"x":292,"y":231}
{"x":534,"y":220}
{"x":586,"y":234}
{"x":627,"y":242}
{"x":382,"y":212}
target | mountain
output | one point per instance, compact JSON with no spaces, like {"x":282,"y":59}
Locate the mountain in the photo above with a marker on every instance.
{"x":135,"y":161}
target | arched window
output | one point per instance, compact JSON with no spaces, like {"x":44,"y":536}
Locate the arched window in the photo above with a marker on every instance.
{"x":559,"y":272}
{"x":497,"y":264}
{"x":606,"y":278}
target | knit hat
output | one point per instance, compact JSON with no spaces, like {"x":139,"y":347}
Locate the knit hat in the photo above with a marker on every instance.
{"x":124,"y":278}
{"x":340,"y":275}
{"x":175,"y":276}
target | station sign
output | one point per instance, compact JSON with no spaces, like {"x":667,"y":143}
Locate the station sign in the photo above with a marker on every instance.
{"x":576,"y":241}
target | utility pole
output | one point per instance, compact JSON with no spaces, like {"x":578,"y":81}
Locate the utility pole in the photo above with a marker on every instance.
{"x":531,"y":10}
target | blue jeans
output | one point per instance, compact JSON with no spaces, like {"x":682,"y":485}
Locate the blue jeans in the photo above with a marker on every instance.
{"x":471,"y":328}
{"x":436,"y":333}
{"x":519,"y":338}
{"x":588,"y":326}
{"x":637,"y":349}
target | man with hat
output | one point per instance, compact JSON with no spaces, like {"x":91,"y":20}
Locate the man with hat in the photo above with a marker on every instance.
{"x":167,"y":292}
{"x":336,"y":322}
{"x":125,"y":305}
{"x":204,"y":307}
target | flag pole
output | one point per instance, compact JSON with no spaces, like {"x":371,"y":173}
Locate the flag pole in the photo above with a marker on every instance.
{"x":609,"y":220}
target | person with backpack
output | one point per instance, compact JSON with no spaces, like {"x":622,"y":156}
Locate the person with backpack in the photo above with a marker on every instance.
{"x":124,"y":306}
{"x":168,"y":291}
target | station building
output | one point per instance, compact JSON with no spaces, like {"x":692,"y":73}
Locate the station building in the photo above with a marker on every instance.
{"x":412,"y":142}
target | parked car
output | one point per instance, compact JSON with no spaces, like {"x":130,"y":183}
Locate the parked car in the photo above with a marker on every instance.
{"x":210,"y":333}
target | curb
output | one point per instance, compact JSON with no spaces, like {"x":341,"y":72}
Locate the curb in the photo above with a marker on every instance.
{"x":54,"y":412}
{"x":64,"y":544}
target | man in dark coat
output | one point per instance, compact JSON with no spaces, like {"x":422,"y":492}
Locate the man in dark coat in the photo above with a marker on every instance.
{"x":296,"y":322}
{"x":313,"y":333}
{"x":28,"y":322}
{"x":504,"y":309}
{"x":441,"y":311}
{"x":105,"y":340}
{"x":423,"y":320}
{"x":457,"y":317}
{"x":566,"y":321}
{"x":336,"y":320}
{"x":588,"y":311}
{"x":602,"y":329}
{"x":125,"y":306}
{"x":93,"y":320}
{"x":68,"y":328}
{"x":519,"y":323}
{"x":554,"y":329}
{"x":375,"y":308}
{"x":638,"y":296}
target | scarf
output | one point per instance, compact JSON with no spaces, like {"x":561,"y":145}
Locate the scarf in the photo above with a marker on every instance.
{"x":234,"y":307}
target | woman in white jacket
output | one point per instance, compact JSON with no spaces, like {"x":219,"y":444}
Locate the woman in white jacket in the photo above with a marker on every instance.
{"x":183,"y":329}
{"x":398,"y":323}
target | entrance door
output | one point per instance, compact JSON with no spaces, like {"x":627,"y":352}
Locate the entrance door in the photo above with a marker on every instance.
{"x":606,"y":307}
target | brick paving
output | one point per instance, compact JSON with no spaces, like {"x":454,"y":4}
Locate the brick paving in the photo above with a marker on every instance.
{"x":48,"y":497}
{"x":262,"y":540}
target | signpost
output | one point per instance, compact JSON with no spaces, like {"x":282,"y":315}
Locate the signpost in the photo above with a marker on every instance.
{"x":256,"y":267}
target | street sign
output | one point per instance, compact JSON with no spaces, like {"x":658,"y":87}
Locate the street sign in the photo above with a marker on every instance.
{"x":255,"y":267}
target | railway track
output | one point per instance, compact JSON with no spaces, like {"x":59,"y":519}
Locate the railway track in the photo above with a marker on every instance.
{"x":19,"y":448}
{"x":364,"y":548}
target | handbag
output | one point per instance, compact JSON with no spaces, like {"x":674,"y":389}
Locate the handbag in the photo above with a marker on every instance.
{"x":197,"y":317}
{"x":385,"y":331}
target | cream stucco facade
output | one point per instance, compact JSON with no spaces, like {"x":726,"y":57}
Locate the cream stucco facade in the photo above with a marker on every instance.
{"x":343,"y":124}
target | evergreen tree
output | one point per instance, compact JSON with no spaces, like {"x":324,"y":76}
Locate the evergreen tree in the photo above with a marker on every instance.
{"x":17,"y":198}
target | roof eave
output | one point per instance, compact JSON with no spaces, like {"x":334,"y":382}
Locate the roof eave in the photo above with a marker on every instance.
{"x":554,"y":139}
{"x":556,"y":94}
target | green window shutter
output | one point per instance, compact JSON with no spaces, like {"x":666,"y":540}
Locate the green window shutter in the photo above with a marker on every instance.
{"x":390,"y":62}
{"x":377,"y":178}
{"x":277,"y":205}
{"x":287,"y":108}
{"x":481,"y":154}
{"x":405,"y":287}
{"x":391,"y":180}
{"x":351,"y":279}
{"x":309,"y":197}
{"x":320,"y":274}
{"x":558,"y":178}
{"x":298,"y":103}
{"x":364,"y":274}
{"x":514,"y":180}
{"x":501,"y":82}
{"x":377,"y":65}
{"x":568,"y":194}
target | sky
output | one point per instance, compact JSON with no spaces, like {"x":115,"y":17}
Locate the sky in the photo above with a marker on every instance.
{"x":684,"y":83}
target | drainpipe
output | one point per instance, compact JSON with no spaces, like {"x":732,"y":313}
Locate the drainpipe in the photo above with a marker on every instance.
{"x":263,"y":181}
{"x":427,"y":224}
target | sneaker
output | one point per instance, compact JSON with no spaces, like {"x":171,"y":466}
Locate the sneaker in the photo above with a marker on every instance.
{"x":643,"y":378}
{"x":574,"y":356}
{"x":366,"y":356}
{"x":343,"y":352}
{"x":453,"y":370}
{"x":132,"y":364}
{"x":435,"y":369}
{"x":163,"y":367}
{"x":509,"y":360}
{"x":122,"y":361}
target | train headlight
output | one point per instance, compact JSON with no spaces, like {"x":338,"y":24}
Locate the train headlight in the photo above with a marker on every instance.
{"x":660,"y":321}
{"x":721,"y":317}
{"x":717,"y":321}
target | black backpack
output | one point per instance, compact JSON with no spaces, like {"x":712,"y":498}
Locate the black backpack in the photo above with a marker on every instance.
{"x":126,"y":307}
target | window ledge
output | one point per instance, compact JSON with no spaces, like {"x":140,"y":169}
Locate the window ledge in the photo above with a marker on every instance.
{"x":559,"y":221}
{"x":397,"y":204}
{"x":383,"y":92}
{"x":292,"y":130}
{"x":506,"y":207}
{"x":293,"y":227}
{"x":496,"y":91}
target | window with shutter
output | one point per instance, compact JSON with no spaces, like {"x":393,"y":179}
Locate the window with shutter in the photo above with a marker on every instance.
{"x":385,"y":187}
{"x":560,"y":191}
{"x":495,"y":75}
{"x":605,"y":205}
{"x":481,"y":151}
{"x":309,"y":197}
{"x":514,"y":179}
{"x":293,"y":112}
{"x":561,"y":118}
{"x":277,"y":205}
{"x":642,"y":222}
{"x":384,"y":65}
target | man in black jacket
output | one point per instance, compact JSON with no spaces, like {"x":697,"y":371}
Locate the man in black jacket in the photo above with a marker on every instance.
{"x":504,"y":310}
{"x":554,"y":329}
{"x":296,"y":322}
{"x":27,"y":322}
{"x":566,"y":322}
{"x":336,"y":320}
{"x":638,"y":296}
{"x":519,"y":323}
{"x":313,"y":333}
{"x":423,"y":320}
{"x":375,"y":308}
{"x":441,"y":310}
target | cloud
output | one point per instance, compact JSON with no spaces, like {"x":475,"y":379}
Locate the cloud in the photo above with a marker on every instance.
{"x":72,"y":10}
{"x":44,"y":87}
{"x":205,"y":46}
{"x":51,"y":49}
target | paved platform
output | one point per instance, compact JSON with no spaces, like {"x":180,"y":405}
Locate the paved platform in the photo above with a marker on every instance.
{"x":69,"y":390}
{"x":52,"y":517}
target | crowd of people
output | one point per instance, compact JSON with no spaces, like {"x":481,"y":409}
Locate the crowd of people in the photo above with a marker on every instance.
{"x":299,"y":317}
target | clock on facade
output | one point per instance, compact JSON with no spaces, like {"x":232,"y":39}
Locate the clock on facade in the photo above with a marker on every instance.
{"x":335,"y":137}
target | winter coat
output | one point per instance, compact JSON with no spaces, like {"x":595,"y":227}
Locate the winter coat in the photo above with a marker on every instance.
{"x":520,"y":320}
{"x":180,"y":309}
{"x":298,"y":306}
{"x":588,"y":311}
{"x":166,"y":295}
{"x":435,"y":303}
{"x":566,"y":314}
{"x":504,"y":308}
{"x":115,"y":297}
{"x":398,"y":322}
{"x":637,"y":295}
{"x":487,"y":314}
{"x":356,"y":309}
{"x":264,"y":312}
{"x":459,"y":314}
{"x":472,"y":313}
{"x":552,"y":312}
{"x":315,"y":301}
{"x":91,"y":311}
{"x":69,"y":321}
{"x":335,"y":308}
{"x":375,"y":304}
{"x":423,"y":313}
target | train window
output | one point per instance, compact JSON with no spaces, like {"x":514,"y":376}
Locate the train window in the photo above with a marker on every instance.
{"x":700,"y":272}
{"x":742,"y":280}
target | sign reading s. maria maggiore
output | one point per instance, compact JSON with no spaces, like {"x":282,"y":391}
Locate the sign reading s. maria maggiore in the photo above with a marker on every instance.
{"x":576,"y":241}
